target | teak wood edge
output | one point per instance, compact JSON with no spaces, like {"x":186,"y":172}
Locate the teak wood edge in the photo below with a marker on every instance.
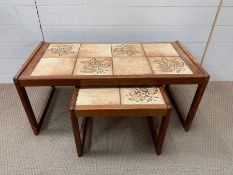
{"x":122,"y":110}
{"x":158,"y":139}
{"x":22,"y":68}
{"x":24,"y":78}
{"x":193,"y":59}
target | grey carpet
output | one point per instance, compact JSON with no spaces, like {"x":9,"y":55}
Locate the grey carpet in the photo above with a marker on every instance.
{"x":117,"y":145}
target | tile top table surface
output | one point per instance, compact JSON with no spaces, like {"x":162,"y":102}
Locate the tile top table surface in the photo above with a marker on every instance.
{"x":110,"y":64}
{"x":121,"y":63}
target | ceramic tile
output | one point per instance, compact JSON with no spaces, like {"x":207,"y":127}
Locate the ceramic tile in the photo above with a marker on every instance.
{"x":127,"y":50}
{"x":98,"y":96}
{"x":62,"y":50}
{"x":95,"y":50}
{"x":131,"y":66}
{"x":169,"y":65}
{"x":93,"y":66}
{"x":54,"y":66}
{"x":141,"y":95}
{"x":160,"y":49}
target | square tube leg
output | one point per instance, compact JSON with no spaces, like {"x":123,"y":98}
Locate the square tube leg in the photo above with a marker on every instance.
{"x":79,"y":135}
{"x":158,"y":139}
{"x":187,"y":121}
{"x":36,"y":126}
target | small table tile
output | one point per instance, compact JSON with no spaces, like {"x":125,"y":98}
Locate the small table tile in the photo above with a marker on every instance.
{"x":95,"y":50}
{"x":127,"y":50}
{"x":62,"y":50}
{"x":54,"y":66}
{"x":160,"y":49}
{"x":169,"y":65}
{"x":141,"y":95}
{"x":131,"y":66}
{"x":98,"y":96}
{"x":93,"y":66}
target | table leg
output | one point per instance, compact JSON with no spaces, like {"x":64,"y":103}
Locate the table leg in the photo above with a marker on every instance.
{"x":193,"y":108}
{"x":36,"y":126}
{"x":158,"y":139}
{"x":83,"y":130}
{"x":79,"y":134}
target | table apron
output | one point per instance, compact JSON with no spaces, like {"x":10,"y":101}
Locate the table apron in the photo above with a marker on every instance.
{"x":110,"y":82}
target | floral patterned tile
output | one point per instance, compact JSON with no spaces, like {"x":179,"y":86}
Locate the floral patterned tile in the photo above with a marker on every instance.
{"x":62,"y":50}
{"x":98,"y":96}
{"x":95,"y":50}
{"x":127,"y":50}
{"x":131,"y":66}
{"x":54,"y":66}
{"x":160,"y":49}
{"x":93,"y":66}
{"x":169,"y":65}
{"x":141,"y":95}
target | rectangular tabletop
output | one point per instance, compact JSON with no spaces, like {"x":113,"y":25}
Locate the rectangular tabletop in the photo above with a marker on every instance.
{"x":88,"y":64}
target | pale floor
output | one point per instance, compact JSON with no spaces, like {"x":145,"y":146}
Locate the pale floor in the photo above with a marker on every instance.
{"x":117,"y":145}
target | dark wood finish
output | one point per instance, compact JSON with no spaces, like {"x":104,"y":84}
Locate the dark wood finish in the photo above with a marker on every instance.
{"x":108,"y":80}
{"x":46,"y":108}
{"x":120,"y":110}
{"x":193,"y":108}
{"x":87,"y":80}
{"x":83,"y":130}
{"x":192,"y":59}
{"x":36,"y":126}
{"x":123,"y":110}
{"x":27,"y":107}
{"x":23,"y":79}
{"x":178,"y":111}
{"x":79,"y":136}
{"x":158,"y":139}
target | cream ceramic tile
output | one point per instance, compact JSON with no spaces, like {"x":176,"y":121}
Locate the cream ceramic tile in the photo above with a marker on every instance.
{"x":131,"y":66}
{"x":127,"y":50}
{"x":169,"y":65}
{"x":62,"y":50}
{"x":93,"y":66}
{"x":54,"y":66}
{"x":95,"y":50}
{"x":160,"y":49}
{"x":98,"y":96}
{"x":141,"y":95}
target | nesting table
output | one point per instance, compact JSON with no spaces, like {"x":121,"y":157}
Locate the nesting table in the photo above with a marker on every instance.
{"x":117,"y":101}
{"x":87,"y":65}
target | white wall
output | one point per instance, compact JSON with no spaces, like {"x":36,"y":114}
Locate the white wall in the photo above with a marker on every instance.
{"x":189,"y":21}
{"x":219,"y":58}
{"x":19,"y":34}
{"x":129,"y":20}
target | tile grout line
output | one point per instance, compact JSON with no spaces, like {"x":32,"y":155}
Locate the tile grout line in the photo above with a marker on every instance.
{"x":76,"y":60}
{"x":112,"y":60}
{"x":211,"y":31}
{"x":148,"y":60}
{"x":42,"y":33}
{"x":114,"y":74}
{"x":120,"y":94}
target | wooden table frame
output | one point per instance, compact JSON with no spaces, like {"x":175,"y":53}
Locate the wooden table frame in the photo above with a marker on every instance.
{"x":89,"y":111}
{"x":23,"y":79}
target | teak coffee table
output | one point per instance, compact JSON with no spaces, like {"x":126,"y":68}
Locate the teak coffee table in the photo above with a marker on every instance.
{"x":87,"y":64}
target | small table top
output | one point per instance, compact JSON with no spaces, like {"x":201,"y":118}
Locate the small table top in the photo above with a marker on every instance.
{"x":99,"y":96}
{"x":123,"y":101}
{"x":110,"y":64}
